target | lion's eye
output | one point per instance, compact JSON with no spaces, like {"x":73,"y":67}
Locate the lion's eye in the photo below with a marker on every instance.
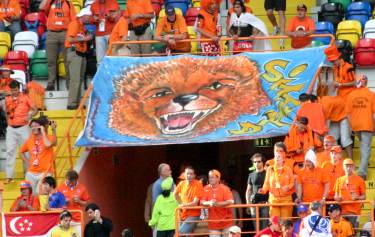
{"x":216,"y":85}
{"x":161,"y":94}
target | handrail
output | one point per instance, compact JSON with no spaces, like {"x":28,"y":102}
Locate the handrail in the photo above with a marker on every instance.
{"x":257,"y":219}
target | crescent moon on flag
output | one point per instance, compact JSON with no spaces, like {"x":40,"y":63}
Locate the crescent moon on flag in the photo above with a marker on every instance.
{"x":12,"y":225}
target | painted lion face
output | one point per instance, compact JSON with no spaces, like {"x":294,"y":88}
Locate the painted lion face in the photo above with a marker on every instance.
{"x":185,"y":97}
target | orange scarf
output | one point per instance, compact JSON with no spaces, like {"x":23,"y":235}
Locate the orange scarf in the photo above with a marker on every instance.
{"x":293,"y":141}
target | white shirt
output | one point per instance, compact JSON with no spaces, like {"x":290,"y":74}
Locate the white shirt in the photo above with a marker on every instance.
{"x":323,"y":229}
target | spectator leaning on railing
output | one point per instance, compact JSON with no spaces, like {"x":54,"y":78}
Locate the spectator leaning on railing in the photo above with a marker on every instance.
{"x":27,"y":201}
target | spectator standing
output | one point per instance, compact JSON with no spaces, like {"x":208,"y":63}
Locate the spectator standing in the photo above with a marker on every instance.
{"x":280,"y":7}
{"x":171,"y":29}
{"x":164,"y":171}
{"x":76,"y":194}
{"x":280,"y":149}
{"x":216,"y":196}
{"x":315,"y":225}
{"x":163,"y":214}
{"x":273,"y":229}
{"x":234,"y":231}
{"x":98,"y":226}
{"x":27,"y":201}
{"x":312,"y":181}
{"x":188,"y":193}
{"x":350,"y":187}
{"x":324,"y":155}
{"x":140,"y":13}
{"x":64,"y":228}
{"x":40,"y":149}
{"x":105,"y":14}
{"x":10,"y":16}
{"x":302,"y":212}
{"x":5,"y":79}
{"x":255,"y":181}
{"x":339,"y":226}
{"x":119,"y":34}
{"x":56,"y":200}
{"x":300,"y":27}
{"x":59,"y":14}
{"x":207,"y":26}
{"x":279,"y":182}
{"x":360,"y":105}
{"x":20,"y":109}
{"x":76,"y":44}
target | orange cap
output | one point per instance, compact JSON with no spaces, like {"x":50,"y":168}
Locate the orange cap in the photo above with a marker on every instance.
{"x":216,"y":173}
{"x":348,"y":162}
{"x":332,"y":53}
{"x":336,"y":149}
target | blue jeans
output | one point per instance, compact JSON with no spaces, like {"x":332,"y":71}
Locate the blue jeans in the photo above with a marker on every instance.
{"x":14,"y":28}
{"x":101,"y":43}
{"x":186,"y":226}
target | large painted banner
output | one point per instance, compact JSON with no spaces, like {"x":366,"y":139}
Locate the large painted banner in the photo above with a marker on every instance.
{"x":193,"y":99}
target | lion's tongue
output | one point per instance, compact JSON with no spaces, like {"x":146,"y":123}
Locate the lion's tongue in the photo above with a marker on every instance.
{"x":179,"y":121}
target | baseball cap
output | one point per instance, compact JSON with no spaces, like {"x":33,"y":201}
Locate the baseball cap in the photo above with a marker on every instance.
{"x":235,"y":229}
{"x":170,"y":11}
{"x":25,"y":184}
{"x":275,"y":220}
{"x":348,"y":162}
{"x":336,"y":149}
{"x":302,"y":208}
{"x":334,"y":207}
{"x":84,"y":12}
{"x":301,"y":6}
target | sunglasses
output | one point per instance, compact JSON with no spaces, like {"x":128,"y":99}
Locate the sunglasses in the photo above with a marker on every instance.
{"x":258,"y":161}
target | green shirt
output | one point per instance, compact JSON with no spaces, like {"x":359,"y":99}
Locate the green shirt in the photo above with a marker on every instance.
{"x":163,"y":213}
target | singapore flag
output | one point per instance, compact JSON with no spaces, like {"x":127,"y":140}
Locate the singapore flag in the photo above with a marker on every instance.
{"x":28,"y":225}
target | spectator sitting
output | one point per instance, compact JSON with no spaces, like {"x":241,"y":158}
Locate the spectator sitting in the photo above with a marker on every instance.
{"x":5,"y":79}
{"x":274,"y":228}
{"x":302,"y":212}
{"x":339,"y":226}
{"x":119,"y":34}
{"x":98,"y":225}
{"x":76,"y":194}
{"x":234,"y":231}
{"x":171,"y":29}
{"x":127,"y":232}
{"x":315,"y":225}
{"x":163,"y":214}
{"x":27,"y":201}
{"x":40,"y":148}
{"x":335,"y":169}
{"x":287,"y":228}
{"x":105,"y":15}
{"x":10,"y":16}
{"x":56,"y":200}
{"x":64,"y":228}
{"x":299,"y":27}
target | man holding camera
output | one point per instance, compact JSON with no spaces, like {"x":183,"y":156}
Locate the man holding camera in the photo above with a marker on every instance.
{"x":254,"y":183}
{"x":40,"y":148}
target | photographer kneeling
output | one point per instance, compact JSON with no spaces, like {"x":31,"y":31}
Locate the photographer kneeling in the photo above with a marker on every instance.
{"x":40,"y":148}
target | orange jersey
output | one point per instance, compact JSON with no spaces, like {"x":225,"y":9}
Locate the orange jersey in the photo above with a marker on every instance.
{"x":188,"y":192}
{"x":18,"y":109}
{"x":10,"y":10}
{"x":344,"y":74}
{"x":334,"y":171}
{"x":70,"y":192}
{"x":288,"y":162}
{"x":207,"y":22}
{"x":360,"y":106}
{"x":119,"y":31}
{"x":76,"y":29}
{"x":178,"y":27}
{"x":314,"y":113}
{"x":343,"y":228}
{"x":306,"y":24}
{"x":41,"y":157}
{"x":220,"y":193}
{"x":333,"y":108}
{"x":102,"y":10}
{"x":312,"y":182}
{"x":344,"y":187}
{"x":139,"y":7}
{"x":276,"y":179}
{"x":322,"y":157}
{"x":59,"y":15}
{"x":31,"y":200}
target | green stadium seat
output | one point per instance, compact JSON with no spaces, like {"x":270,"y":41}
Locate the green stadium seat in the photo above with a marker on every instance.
{"x":316,"y":43}
{"x":39,"y":67}
{"x":345,"y":3}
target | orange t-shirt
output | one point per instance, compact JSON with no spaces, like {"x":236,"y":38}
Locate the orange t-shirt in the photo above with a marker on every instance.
{"x":343,"y":228}
{"x":59,"y":17}
{"x":207,"y":22}
{"x":333,"y":108}
{"x":344,"y":74}
{"x":188,"y":192}
{"x":31,"y":200}
{"x":12,"y":9}
{"x":69,"y":192}
{"x":322,"y":157}
{"x":344,"y":186}
{"x":306,"y":24}
{"x":75,"y":29}
{"x":139,"y":7}
{"x":288,"y":162}
{"x":119,"y":31}
{"x":275,"y":180}
{"x":312,"y":182}
{"x":314,"y":113}
{"x":4,"y":84}
{"x":334,"y":172}
{"x":18,"y":109}
{"x":220,"y":193}
{"x":178,"y":27}
{"x":101,"y":10}
{"x":41,"y":157}
{"x":360,"y":106}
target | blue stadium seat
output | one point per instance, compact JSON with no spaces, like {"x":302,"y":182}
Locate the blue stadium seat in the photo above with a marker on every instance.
{"x":182,"y":4}
{"x":324,"y":27}
{"x":360,"y":11}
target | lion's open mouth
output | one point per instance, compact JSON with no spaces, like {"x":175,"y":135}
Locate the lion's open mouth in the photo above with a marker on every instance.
{"x":182,"y":122}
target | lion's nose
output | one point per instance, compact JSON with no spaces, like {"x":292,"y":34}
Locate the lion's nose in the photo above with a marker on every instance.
{"x":185,"y":99}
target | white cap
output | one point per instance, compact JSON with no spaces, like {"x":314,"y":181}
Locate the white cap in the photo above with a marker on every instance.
{"x":234,"y":229}
{"x":84,"y":12}
{"x":310,"y":155}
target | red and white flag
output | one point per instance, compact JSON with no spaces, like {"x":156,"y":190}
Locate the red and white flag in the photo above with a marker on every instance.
{"x":28,"y":225}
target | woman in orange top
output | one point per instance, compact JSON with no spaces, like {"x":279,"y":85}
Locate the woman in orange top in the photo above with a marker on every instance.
{"x":10,"y":13}
{"x":279,"y":182}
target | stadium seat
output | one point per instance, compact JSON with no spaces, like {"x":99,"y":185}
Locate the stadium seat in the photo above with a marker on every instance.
{"x":4,"y":43}
{"x":61,"y":66}
{"x":344,"y":3}
{"x":36,"y":22}
{"x":39,"y":66}
{"x":181,"y":4}
{"x":156,"y":4}
{"x":196,"y":3}
{"x":372,"y":2}
{"x":26,"y":41}
{"x":324,"y":27}
{"x":360,"y":11}
{"x":17,"y":60}
{"x":364,"y":52}
{"x":122,"y":4}
{"x":350,"y":30}
{"x":191,"y":16}
{"x":369,"y":31}
{"x":332,"y":12}
{"x":345,"y":48}
{"x":193,"y":35}
{"x":177,"y":10}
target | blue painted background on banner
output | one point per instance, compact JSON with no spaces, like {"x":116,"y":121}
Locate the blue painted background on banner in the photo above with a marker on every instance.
{"x":283,"y":76}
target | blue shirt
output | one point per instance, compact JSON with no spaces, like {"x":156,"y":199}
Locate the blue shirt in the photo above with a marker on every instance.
{"x":57,"y":200}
